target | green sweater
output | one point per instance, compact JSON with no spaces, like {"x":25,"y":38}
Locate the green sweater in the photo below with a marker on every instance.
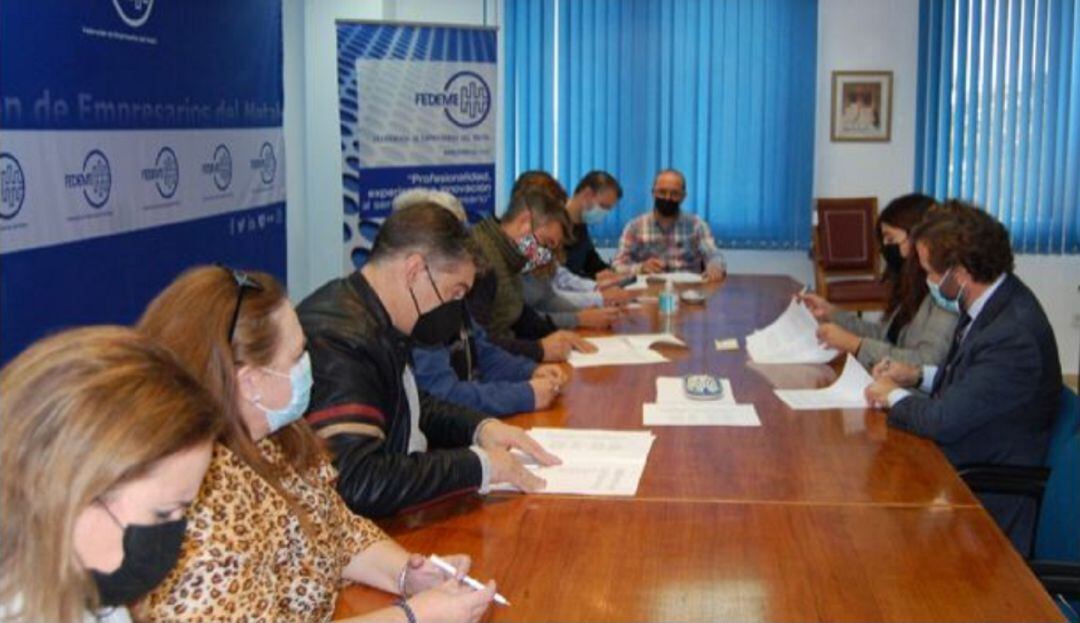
{"x":506,"y":263}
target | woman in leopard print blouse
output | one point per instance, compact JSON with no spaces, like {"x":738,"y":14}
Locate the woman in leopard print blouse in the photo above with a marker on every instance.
{"x":268,"y":538}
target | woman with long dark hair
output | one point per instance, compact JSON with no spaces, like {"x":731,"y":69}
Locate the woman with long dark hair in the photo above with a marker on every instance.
{"x":914,"y":329}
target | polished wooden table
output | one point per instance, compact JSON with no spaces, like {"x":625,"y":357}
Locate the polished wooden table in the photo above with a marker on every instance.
{"x":815,"y":515}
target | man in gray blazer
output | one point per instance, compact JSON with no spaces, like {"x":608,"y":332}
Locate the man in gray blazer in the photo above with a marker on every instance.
{"x":994,"y":399}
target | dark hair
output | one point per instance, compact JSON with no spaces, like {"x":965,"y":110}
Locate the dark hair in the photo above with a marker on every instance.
{"x":957,"y":233}
{"x":599,"y":181}
{"x":425,"y":228}
{"x":909,"y":282}
{"x":539,"y":180}
{"x":544,"y":197}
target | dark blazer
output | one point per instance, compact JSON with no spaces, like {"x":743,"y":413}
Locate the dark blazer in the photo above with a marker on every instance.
{"x":995,"y":398}
{"x":359,"y":405}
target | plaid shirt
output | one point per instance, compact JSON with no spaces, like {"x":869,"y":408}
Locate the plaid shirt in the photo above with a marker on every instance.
{"x":687,"y":246}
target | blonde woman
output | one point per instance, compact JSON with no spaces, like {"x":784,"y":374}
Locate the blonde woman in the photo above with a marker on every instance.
{"x":105,"y":441}
{"x":271,"y":539}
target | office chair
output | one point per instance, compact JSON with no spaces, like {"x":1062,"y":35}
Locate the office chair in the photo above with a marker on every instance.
{"x":1054,"y":551}
{"x":846,"y":247}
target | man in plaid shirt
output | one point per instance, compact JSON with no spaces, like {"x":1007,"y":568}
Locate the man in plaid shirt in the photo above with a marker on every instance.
{"x":668,"y":240}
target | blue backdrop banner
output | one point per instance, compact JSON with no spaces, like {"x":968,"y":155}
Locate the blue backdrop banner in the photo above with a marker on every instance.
{"x":137,"y":138}
{"x":417,"y":110}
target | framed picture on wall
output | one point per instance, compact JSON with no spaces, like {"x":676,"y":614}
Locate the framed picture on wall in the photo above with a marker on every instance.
{"x":862,"y":106}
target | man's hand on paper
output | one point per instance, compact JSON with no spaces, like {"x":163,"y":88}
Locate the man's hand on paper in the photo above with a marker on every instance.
{"x":652,"y":266}
{"x":900,"y":374}
{"x":496,"y":435}
{"x":877,"y":393}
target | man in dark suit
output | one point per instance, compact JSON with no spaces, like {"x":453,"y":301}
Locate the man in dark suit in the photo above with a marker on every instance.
{"x":994,"y":399}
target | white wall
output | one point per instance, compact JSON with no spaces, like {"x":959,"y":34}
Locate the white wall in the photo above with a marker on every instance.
{"x":867,"y":35}
{"x":313,"y":146}
{"x":296,"y":169}
{"x":468,"y":12}
{"x":1054,"y":279}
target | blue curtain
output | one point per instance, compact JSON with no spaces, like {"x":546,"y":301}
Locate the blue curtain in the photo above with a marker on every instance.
{"x":529,"y":37}
{"x":722,"y":90}
{"x":998,"y":117}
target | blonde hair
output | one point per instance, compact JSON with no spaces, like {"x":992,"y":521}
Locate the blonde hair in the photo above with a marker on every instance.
{"x":192,"y":318}
{"x":81,"y":412}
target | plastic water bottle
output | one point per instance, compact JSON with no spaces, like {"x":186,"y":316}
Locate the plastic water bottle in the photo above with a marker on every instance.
{"x":669,"y":300}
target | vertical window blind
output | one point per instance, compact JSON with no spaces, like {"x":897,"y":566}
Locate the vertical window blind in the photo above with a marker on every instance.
{"x":998,"y":116}
{"x":722,"y":91}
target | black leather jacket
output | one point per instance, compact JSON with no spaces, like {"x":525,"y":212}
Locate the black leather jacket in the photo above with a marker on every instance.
{"x":359,"y":405}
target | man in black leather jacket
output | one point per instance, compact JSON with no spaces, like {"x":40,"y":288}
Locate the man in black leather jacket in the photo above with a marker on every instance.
{"x":394,"y":446}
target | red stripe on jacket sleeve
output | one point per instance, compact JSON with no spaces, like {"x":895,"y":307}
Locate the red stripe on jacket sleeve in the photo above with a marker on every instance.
{"x":364,"y":411}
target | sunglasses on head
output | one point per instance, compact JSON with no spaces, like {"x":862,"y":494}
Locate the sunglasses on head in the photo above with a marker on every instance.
{"x":244,"y":282}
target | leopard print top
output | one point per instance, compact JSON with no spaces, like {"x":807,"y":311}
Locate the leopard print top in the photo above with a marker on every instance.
{"x":246,"y":558}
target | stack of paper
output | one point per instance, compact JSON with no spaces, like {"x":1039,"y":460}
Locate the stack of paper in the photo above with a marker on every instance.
{"x":674,"y":408}
{"x":791,"y":338}
{"x":624,"y":350}
{"x":594,"y":462}
{"x":845,"y":393}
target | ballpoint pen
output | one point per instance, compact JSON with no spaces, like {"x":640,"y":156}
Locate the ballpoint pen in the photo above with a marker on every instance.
{"x":468,"y":580}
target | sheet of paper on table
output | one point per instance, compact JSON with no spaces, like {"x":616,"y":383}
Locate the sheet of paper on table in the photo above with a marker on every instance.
{"x":702,"y":414}
{"x":791,"y":338}
{"x":845,"y":393}
{"x":594,"y":462}
{"x":674,"y":408}
{"x":624,"y":350}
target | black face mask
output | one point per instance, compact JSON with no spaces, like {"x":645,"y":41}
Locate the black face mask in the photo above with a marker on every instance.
{"x":150,"y":552}
{"x":893,"y":259}
{"x":440,"y":325}
{"x":666,"y":207}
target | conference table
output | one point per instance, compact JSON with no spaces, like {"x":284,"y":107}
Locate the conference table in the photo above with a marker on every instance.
{"x":815,"y":515}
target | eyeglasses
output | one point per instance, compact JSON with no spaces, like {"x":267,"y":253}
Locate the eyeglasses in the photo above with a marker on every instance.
{"x":244,"y":282}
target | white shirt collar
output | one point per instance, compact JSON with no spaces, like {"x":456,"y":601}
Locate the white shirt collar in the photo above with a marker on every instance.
{"x":978,"y":304}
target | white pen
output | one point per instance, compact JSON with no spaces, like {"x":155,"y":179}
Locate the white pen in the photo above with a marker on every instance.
{"x":470,"y":581}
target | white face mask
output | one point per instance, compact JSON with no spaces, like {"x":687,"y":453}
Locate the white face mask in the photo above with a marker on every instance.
{"x":300,"y":382}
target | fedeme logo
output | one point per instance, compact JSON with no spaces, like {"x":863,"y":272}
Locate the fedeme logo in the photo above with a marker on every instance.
{"x":465,"y":100}
{"x":220,"y":168}
{"x":265,"y":164}
{"x":12,"y":186}
{"x":134,"y":12}
{"x":95,"y":179}
{"x":165,"y":173}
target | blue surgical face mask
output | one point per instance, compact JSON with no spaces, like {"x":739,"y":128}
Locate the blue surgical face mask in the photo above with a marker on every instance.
{"x":300,"y":381}
{"x":594,"y":214}
{"x":944,"y":302}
